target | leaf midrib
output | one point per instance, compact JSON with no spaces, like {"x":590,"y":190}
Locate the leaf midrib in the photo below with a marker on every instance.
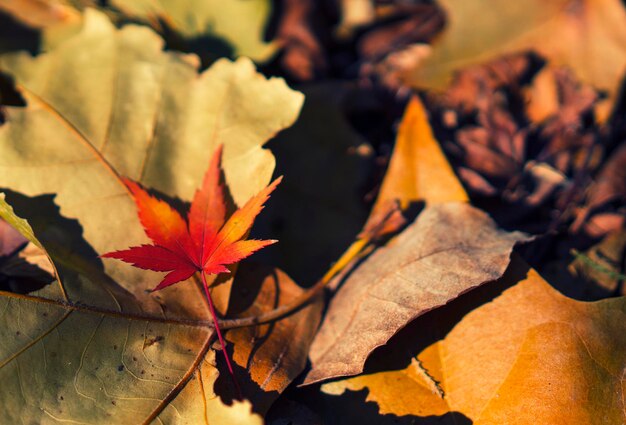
{"x":76,"y":132}
{"x":68,"y":306}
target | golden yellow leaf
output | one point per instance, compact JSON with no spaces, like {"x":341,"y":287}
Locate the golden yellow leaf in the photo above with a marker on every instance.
{"x":418,"y":169}
{"x":532,"y":356}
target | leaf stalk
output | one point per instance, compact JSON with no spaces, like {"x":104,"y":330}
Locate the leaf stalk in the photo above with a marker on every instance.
{"x":219,"y":334}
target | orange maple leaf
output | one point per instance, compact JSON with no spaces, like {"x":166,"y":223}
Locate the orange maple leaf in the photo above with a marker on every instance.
{"x":206,"y":242}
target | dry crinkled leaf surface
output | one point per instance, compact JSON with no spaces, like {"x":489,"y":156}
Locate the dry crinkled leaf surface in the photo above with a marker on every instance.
{"x":392,"y":283}
{"x":136,"y":111}
{"x":587,"y":35}
{"x":272,"y":355}
{"x":448,"y":250}
{"x":530,"y":356}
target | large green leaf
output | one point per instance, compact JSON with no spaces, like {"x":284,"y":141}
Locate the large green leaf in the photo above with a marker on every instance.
{"x":110,"y":102}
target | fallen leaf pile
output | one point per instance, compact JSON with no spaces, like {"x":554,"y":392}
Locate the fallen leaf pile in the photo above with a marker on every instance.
{"x":446,"y":244}
{"x":525,"y":142}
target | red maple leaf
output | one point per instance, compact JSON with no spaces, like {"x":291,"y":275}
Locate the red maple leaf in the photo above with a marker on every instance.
{"x":206,"y":242}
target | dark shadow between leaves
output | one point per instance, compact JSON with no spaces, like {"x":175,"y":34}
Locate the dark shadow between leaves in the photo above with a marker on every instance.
{"x":616,"y":124}
{"x":319,"y":208}
{"x":16,"y":36}
{"x":9,"y":95}
{"x":209,"y":48}
{"x":245,"y":290}
{"x":351,"y":407}
{"x":17,"y":274}
{"x":436,"y":324}
{"x":556,"y":270}
{"x":247,"y":287}
{"x":225,"y":389}
{"x":50,"y":227}
{"x":63,"y":239}
{"x":20,"y":277}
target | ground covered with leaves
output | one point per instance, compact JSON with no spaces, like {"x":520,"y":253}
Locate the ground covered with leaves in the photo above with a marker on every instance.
{"x":447,"y":244}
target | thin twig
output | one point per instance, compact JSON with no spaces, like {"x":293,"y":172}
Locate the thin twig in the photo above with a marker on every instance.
{"x":353,"y":252}
{"x":313,"y":292}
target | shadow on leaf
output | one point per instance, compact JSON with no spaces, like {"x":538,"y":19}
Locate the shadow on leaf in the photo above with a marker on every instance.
{"x":79,"y":268}
{"x":352,"y":407}
{"x":224,"y":388}
{"x":435,"y":325}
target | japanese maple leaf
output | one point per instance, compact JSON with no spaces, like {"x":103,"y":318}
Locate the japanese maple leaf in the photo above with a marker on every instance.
{"x":207,"y":242}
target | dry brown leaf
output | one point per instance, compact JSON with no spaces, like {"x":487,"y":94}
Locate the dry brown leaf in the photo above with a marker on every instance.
{"x":474,"y":88}
{"x":532,"y":356}
{"x":288,"y":412}
{"x":303,"y":55}
{"x":398,"y":26}
{"x":447,"y":251}
{"x":586,"y":35}
{"x":269,"y":356}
